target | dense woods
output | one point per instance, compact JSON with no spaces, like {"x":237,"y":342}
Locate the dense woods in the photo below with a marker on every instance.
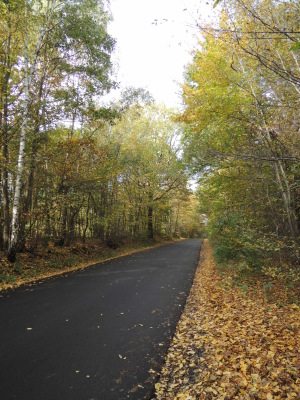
{"x":83,"y":180}
{"x":238,"y":337}
{"x":241,"y":99}
{"x":70,"y":168}
{"x":73,"y":169}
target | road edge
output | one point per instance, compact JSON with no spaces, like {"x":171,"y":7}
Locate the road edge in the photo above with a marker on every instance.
{"x":81,"y":266}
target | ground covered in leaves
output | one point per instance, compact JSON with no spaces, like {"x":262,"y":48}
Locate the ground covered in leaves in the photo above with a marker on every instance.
{"x":232,"y":342}
{"x":43,"y":262}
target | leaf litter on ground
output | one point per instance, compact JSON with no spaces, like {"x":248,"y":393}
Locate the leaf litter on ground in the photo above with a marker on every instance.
{"x":55,"y":260}
{"x":231,"y":343}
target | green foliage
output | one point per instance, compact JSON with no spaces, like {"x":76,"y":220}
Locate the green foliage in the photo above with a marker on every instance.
{"x":55,"y":263}
{"x":234,"y":240}
{"x":70,"y":262}
{"x":111,"y":173}
{"x":18,"y":268}
{"x":83,"y":32}
{"x":295,"y":46}
{"x":240,"y":135}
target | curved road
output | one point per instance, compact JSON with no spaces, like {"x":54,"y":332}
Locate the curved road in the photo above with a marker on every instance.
{"x":99,"y":333}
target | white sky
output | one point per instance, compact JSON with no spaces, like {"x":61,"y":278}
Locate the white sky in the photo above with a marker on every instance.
{"x":151,"y":55}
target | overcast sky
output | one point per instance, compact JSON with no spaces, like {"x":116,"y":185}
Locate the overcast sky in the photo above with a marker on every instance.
{"x":154,"y":41}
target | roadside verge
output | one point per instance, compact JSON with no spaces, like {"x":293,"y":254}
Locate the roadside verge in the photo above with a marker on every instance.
{"x":58,"y":261}
{"x":231,"y":343}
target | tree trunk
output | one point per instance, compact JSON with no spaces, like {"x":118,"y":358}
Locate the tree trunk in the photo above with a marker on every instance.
{"x":279,"y":172}
{"x":5,"y":190}
{"x":86,"y":221}
{"x":21,"y":158}
{"x":63,"y":235}
{"x":150,"y":232}
{"x":29,"y":73}
{"x":35,"y":146}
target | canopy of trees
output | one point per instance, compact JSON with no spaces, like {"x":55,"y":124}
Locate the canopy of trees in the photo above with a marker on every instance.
{"x":242,"y":133}
{"x":69,"y":168}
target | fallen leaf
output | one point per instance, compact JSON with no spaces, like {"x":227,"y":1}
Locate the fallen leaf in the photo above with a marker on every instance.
{"x":230,"y":343}
{"x":243,"y":367}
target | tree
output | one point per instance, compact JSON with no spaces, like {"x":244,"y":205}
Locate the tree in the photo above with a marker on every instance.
{"x":241,"y":131}
{"x":66,"y":51}
{"x":11,"y":49}
{"x":30,"y":63}
{"x":152,"y":171}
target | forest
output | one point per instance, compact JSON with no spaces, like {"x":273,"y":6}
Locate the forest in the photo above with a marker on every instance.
{"x":238,"y":337}
{"x":241,"y":96}
{"x":83,"y":180}
{"x":73,"y":170}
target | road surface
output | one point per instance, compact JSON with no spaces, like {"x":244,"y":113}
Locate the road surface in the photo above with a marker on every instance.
{"x":100,"y":333}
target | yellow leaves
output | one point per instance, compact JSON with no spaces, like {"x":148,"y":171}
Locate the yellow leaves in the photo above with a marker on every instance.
{"x":231,"y":345}
{"x":184,"y":396}
{"x":243,"y":367}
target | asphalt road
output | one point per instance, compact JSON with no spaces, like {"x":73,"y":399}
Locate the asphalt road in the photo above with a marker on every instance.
{"x":95,"y":333}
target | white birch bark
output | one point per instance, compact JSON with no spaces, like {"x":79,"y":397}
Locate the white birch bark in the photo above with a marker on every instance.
{"x":29,"y":74}
{"x":285,"y":68}
{"x":280,"y":175}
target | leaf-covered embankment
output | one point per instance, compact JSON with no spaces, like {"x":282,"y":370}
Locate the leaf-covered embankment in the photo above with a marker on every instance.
{"x":231,"y":344}
{"x":45,"y":263}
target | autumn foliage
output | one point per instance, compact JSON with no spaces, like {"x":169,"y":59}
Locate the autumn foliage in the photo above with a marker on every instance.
{"x":232,"y":343}
{"x":241,"y":94}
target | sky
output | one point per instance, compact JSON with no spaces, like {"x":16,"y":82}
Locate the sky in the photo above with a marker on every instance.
{"x":154,"y":43}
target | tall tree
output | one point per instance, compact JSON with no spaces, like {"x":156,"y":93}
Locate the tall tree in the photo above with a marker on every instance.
{"x":240,"y":94}
{"x":65,"y":50}
{"x":30,"y":62}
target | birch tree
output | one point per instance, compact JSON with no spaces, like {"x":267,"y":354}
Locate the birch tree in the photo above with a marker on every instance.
{"x":12,"y":17}
{"x":30,"y":63}
{"x":66,"y":60}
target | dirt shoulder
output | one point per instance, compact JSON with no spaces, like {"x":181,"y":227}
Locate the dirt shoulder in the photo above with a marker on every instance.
{"x":231,"y":342}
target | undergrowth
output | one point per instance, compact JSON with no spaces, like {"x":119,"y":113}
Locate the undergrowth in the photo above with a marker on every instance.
{"x":279,"y":284}
{"x":53,"y":260}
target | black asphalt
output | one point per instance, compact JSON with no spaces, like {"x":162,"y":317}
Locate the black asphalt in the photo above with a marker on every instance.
{"x":98,"y":332}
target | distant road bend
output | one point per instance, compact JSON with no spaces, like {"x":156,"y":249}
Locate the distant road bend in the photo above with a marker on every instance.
{"x":96,"y":334}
